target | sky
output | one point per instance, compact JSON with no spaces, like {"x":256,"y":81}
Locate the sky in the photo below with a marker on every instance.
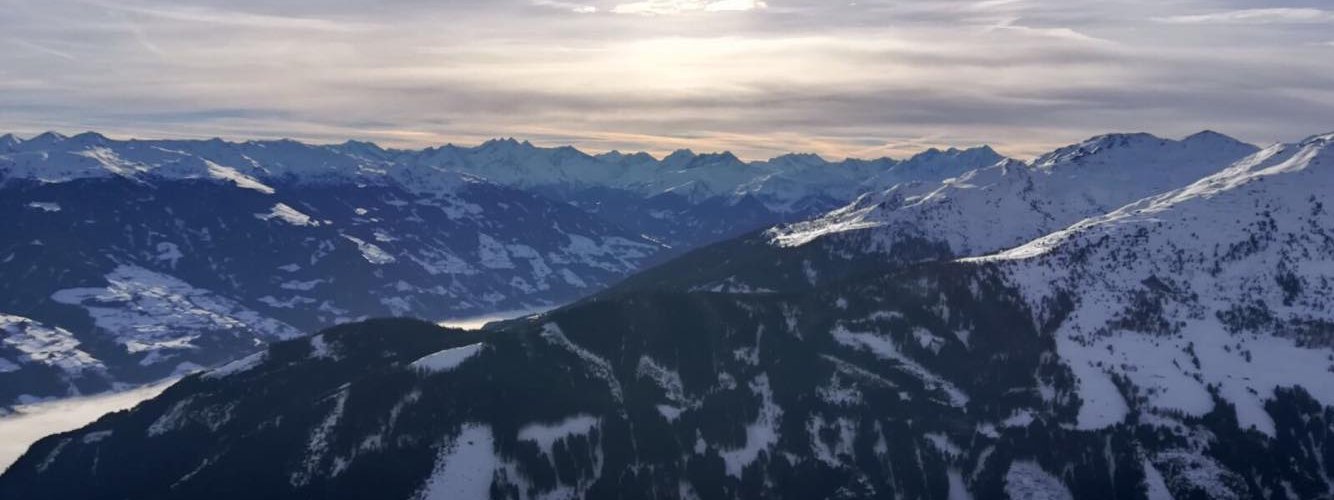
{"x":860,"y":78}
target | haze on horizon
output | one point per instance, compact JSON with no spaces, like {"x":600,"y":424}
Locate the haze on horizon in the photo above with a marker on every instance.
{"x":863,"y":78}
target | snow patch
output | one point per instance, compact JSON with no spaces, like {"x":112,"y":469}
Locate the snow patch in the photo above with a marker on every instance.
{"x":239,"y":179}
{"x":239,"y":366}
{"x":320,"y":348}
{"x":371,"y":252}
{"x":761,"y":435}
{"x":958,"y":488}
{"x":148,"y":311}
{"x":317,"y":445}
{"x":1027,"y":480}
{"x":943,"y":444}
{"x":491,"y":254}
{"x":1021,"y":418}
{"x":464,"y":468}
{"x":285,"y":213}
{"x":47,"y":207}
{"x":668,"y":380}
{"x":35,"y":342}
{"x":447,"y":360}
{"x":884,"y":348}
{"x":594,"y":363}
{"x":670,"y":413}
{"x":546,"y":436}
{"x":1155,"y":487}
{"x":1188,"y":470}
{"x":845,"y":433}
{"x":170,"y":420}
{"x":168,"y":252}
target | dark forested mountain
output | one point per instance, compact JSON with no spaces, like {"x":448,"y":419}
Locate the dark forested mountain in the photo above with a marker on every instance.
{"x":668,"y":395}
{"x":1176,"y":347}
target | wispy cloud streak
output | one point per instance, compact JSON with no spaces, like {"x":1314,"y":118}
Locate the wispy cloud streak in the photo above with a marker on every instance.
{"x":1256,"y":16}
{"x":225,"y":17}
{"x":42,"y":49}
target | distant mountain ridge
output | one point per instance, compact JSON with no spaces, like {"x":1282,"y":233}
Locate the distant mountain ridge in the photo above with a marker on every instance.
{"x":684,"y":200}
{"x":504,"y":161}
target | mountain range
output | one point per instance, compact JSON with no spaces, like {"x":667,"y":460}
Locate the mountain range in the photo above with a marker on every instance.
{"x":150,"y":259}
{"x":1128,"y":317}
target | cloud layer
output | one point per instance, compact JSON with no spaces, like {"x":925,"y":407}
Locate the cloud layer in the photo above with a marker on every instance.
{"x":760,"y":78}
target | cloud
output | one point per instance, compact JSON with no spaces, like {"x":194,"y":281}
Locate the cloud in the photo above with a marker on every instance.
{"x":223,"y":17}
{"x":1255,"y":16}
{"x":667,"y":7}
{"x":1061,"y":33}
{"x":734,"y":5}
{"x":42,"y":49}
{"x":567,"y":6}
{"x":37,"y":421}
{"x":837,"y":78}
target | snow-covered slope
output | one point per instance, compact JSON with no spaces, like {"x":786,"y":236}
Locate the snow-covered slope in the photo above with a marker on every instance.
{"x":1004,"y":205}
{"x":980,"y":211}
{"x":1219,"y":291}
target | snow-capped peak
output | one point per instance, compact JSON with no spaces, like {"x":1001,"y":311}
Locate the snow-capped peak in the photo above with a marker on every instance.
{"x":797,"y":160}
{"x":506,"y":142}
{"x":687,"y":160}
{"x":1007,"y":204}
{"x":1310,"y":155}
{"x":1145,"y":151}
{"x":43,"y":140}
{"x":506,"y":146}
{"x":627,"y":158}
{"x":1210,"y":137}
{"x":362,"y":148}
{"x":1325,"y":138}
{"x":678,"y":158}
{"x":88,"y":139}
{"x":947,"y":163}
{"x":983,"y":154}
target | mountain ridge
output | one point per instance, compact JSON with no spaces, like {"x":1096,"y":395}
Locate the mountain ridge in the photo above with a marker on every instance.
{"x":684,"y":188}
{"x":980,"y":211}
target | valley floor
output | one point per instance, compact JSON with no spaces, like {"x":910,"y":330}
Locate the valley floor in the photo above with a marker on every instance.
{"x":477,"y":322}
{"x":36,"y":421}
